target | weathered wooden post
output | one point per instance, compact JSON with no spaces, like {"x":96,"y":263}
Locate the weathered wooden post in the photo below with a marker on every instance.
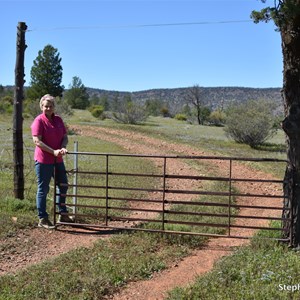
{"x":18,"y":110}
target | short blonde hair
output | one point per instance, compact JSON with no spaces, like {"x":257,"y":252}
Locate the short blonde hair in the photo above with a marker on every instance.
{"x":49,"y":98}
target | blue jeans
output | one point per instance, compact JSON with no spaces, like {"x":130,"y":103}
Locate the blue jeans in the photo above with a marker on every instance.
{"x":44,"y":172}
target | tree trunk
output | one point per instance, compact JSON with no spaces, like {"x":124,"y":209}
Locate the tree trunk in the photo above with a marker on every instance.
{"x":199,"y":115}
{"x":290,"y":36}
{"x":18,"y":111}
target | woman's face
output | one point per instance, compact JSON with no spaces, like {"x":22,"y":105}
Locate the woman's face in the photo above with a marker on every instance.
{"x":47,"y":108}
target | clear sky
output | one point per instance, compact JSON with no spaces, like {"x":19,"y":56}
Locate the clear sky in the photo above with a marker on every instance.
{"x":140,"y":45}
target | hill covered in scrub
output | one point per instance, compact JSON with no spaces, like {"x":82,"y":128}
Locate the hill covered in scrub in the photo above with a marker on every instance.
{"x":213,"y":97}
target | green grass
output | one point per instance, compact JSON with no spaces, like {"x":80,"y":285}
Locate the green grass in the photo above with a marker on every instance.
{"x":253,"y":272}
{"x":93,"y":273}
{"x":258,"y":271}
{"x":15,"y":215}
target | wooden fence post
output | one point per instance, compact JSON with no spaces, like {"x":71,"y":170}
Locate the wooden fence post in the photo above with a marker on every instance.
{"x":18,"y":111}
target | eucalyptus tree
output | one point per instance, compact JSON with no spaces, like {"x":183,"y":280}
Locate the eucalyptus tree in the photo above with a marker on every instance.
{"x":286,"y":16}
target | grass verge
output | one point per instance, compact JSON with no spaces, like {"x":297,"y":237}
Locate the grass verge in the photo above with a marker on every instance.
{"x":92,"y":273}
{"x":265,"y":269}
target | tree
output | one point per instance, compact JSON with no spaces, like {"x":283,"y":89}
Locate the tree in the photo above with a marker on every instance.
{"x":154,"y":106}
{"x":77,"y":95}
{"x":129,"y":112}
{"x":286,"y":16}
{"x":103,"y":101}
{"x":204,"y":113}
{"x":194,"y":97}
{"x":251,"y":123}
{"x":46,"y":74}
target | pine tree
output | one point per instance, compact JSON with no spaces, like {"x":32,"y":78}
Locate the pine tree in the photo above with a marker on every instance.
{"x":46,"y":74}
{"x":77,"y":95}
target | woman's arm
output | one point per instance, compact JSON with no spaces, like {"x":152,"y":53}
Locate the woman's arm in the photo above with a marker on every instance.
{"x":37,"y":139}
{"x":65,"y":141}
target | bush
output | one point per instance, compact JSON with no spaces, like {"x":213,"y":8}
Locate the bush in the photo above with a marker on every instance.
{"x":165,"y":112}
{"x":129,"y":112}
{"x":217,"y":118}
{"x":250,"y":123}
{"x":181,"y":117}
{"x":6,"y":104}
{"x":97,"y":111}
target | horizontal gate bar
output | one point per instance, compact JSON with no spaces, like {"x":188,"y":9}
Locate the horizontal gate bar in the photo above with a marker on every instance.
{"x":179,"y":202}
{"x":171,"y":176}
{"x":202,"y":157}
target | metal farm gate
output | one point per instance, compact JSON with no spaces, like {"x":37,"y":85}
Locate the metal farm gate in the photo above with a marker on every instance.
{"x":174,"y":194}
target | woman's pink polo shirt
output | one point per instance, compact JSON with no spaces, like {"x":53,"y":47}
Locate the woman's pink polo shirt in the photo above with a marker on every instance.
{"x":52,"y":133}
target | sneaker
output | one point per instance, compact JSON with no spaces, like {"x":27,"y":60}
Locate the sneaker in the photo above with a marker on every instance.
{"x":45,"y":223}
{"x":65,"y":219}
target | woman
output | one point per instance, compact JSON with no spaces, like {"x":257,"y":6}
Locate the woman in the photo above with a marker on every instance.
{"x":50,"y":138}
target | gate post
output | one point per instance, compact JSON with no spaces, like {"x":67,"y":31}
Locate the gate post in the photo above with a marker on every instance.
{"x":75,"y":179}
{"x":164,"y":193}
{"x":106,"y":192}
{"x":17,"y":114}
{"x":54,"y":193}
{"x":229,"y":199}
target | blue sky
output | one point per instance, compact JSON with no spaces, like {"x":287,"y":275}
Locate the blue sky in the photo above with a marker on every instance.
{"x":109,"y":45}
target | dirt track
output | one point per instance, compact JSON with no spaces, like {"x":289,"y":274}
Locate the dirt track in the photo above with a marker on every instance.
{"x":23,"y":250}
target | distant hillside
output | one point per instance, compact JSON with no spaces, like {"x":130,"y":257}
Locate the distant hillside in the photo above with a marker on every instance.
{"x":214,"y":97}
